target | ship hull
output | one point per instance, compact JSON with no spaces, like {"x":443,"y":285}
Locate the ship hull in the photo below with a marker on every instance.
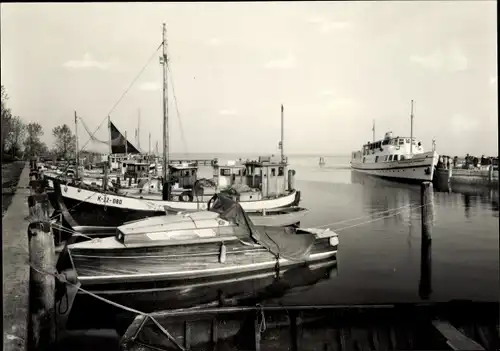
{"x":93,"y":208}
{"x":418,"y":169}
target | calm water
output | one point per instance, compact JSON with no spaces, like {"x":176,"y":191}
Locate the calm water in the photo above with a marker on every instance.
{"x":379,"y":261}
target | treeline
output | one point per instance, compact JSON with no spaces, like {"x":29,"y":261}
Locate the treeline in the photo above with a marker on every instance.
{"x":21,"y":140}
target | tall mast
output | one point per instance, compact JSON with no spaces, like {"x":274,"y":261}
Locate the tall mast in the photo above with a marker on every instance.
{"x":139,"y":130}
{"x":109,"y":141}
{"x":373,"y":130}
{"x":164,"y":61}
{"x":77,"y":156}
{"x":282,"y":134}
{"x":411,"y":129}
{"x":149,"y":148}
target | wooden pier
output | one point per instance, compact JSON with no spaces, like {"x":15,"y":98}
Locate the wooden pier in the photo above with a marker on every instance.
{"x":457,"y":176}
{"x":15,"y":268}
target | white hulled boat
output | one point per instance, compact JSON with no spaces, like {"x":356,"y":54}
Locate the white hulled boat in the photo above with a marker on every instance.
{"x":396,"y":157}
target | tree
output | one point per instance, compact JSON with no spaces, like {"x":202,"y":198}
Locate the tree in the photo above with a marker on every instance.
{"x":6,"y":118}
{"x":33,"y":146}
{"x":15,"y":137}
{"x":65,"y":141}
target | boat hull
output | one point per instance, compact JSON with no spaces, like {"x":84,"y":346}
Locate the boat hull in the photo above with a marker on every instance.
{"x":93,"y":208}
{"x":418,"y":169}
{"x":144,"y":278}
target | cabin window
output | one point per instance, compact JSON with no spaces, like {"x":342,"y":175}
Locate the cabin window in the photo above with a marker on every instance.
{"x":390,"y":158}
{"x":401,"y":141}
{"x":402,"y":157}
{"x":281,"y":171}
{"x":385,"y":142}
{"x":225,"y":172}
{"x":385,"y":158}
{"x":408,"y":140}
{"x":193,"y":172}
{"x":376,"y":159}
{"x":395,"y":157}
{"x":186,"y":174}
{"x":273,"y":172}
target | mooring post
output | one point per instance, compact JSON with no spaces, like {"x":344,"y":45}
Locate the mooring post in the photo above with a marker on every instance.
{"x":38,"y":202}
{"x":42,"y":322}
{"x":427,"y":216}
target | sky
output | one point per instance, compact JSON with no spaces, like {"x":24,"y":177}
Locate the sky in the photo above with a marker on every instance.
{"x":335,"y":66}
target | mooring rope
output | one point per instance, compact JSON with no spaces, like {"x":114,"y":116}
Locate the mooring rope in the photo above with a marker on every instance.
{"x":62,"y":278}
{"x":373,"y":220}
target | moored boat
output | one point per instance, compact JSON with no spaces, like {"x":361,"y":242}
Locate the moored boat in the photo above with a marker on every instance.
{"x":149,"y":256}
{"x":396,"y":157}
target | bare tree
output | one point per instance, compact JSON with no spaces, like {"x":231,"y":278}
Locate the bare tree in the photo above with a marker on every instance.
{"x":16,"y":135}
{"x":6,"y":118}
{"x":32,"y":144}
{"x":65,"y":141}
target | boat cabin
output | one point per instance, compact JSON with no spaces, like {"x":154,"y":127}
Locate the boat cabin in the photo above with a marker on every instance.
{"x":268,"y":175}
{"x":136,"y":169}
{"x":388,"y":149}
{"x":185,"y":174}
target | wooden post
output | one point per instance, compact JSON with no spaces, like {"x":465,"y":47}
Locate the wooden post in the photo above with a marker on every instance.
{"x":42,"y":322}
{"x":490,"y":174}
{"x":426,"y":195}
{"x":425,"y":285}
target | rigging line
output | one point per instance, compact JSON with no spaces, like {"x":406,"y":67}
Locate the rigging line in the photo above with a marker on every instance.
{"x":370,"y":215}
{"x":125,"y":93}
{"x":379,"y":218}
{"x":90,"y":133}
{"x":183,"y":138}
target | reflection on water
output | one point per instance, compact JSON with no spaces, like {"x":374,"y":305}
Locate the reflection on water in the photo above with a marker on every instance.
{"x":381,"y":256}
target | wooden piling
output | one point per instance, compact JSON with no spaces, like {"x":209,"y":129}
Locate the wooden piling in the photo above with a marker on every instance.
{"x":427,"y":216}
{"x":42,"y":323}
{"x":426,"y":194}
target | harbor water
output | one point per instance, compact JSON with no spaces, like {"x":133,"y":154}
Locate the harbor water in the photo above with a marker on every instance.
{"x":379,"y":253}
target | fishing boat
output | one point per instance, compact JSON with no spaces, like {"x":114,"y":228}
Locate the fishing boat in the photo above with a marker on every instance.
{"x":148,"y":256}
{"x":270,"y":180}
{"x":396,"y":157}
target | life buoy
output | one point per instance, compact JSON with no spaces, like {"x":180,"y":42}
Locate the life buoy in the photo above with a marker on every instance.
{"x":186,"y":196}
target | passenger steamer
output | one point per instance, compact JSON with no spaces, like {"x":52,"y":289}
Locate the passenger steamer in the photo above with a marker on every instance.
{"x":396,"y":157}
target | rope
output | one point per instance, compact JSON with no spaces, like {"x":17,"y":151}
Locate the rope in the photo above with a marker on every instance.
{"x":62,"y":279}
{"x":354,"y":219}
{"x":377,"y":219}
{"x":123,"y":95}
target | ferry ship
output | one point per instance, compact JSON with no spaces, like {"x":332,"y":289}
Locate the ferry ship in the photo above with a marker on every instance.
{"x":396,"y":157}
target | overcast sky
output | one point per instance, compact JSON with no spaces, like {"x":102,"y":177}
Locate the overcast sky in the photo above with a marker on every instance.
{"x":335,"y":66}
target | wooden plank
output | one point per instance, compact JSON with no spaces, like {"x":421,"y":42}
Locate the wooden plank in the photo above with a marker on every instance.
{"x":455,"y":339}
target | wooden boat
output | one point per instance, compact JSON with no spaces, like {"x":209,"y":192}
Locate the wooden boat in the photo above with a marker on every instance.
{"x":93,"y":207}
{"x":280,"y":217}
{"x":442,"y":326}
{"x":149,"y":256}
{"x":396,"y":157}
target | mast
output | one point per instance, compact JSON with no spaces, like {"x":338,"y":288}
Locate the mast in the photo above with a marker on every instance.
{"x":411,"y":129}
{"x":164,"y":62}
{"x":282,"y":134}
{"x":373,"y":130}
{"x":77,"y":156}
{"x":139,"y":130}
{"x":109,"y":141}
{"x":149,"y":148}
